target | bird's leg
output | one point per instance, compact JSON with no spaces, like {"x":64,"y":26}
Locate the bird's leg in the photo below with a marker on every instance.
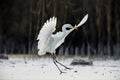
{"x":59,"y":62}
{"x":62,"y":65}
{"x":57,"y":65}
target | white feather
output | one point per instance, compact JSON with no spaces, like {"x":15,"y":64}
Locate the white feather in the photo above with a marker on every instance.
{"x":83,"y":20}
{"x":59,"y":38}
{"x":45,"y":34}
{"x":48,"y":42}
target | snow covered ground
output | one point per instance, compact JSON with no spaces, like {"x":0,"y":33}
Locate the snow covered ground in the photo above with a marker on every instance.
{"x":44,"y":69}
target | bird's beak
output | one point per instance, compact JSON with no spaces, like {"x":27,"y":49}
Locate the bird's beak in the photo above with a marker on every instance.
{"x":74,"y":27}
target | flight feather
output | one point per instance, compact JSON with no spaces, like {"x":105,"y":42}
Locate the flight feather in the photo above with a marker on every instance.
{"x":45,"y":33}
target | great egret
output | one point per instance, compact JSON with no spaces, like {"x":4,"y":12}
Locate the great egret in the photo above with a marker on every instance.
{"x":49,"y":42}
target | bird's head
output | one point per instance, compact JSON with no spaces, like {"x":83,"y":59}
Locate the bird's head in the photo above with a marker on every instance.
{"x":67,"y":27}
{"x":74,"y":27}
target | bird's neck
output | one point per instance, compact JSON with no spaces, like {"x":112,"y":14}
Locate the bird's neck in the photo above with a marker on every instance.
{"x":66,"y":32}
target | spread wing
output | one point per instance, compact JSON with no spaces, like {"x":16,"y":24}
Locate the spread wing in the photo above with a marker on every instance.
{"x":45,"y":34}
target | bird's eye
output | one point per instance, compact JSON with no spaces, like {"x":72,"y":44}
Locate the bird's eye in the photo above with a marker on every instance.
{"x":68,"y":28}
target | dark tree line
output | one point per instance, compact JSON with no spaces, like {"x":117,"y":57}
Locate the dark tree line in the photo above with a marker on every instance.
{"x":21,"y":20}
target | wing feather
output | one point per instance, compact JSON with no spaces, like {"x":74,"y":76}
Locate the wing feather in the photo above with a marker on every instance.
{"x":45,"y":34}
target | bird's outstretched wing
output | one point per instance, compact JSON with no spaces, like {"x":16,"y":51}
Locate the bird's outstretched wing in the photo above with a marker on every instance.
{"x":45,"y":34}
{"x":48,"y":28}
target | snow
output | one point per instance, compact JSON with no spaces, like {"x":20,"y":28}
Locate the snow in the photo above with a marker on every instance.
{"x":44,"y":69}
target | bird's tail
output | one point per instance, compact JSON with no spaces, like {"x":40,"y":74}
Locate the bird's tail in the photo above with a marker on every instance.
{"x":40,"y":53}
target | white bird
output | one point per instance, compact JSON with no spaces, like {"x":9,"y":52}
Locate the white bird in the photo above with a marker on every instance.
{"x":49,"y":42}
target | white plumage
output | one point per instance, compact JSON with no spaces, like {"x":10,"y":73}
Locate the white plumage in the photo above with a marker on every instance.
{"x":49,"y":42}
{"x":83,"y":20}
{"x":45,"y":35}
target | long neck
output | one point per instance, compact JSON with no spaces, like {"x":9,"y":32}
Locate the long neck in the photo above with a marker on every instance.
{"x":66,"y":32}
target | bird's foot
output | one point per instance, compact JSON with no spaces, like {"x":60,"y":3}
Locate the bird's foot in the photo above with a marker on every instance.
{"x":62,"y":72}
{"x":68,"y":68}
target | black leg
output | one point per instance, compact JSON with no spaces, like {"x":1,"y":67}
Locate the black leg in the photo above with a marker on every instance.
{"x":63,"y":65}
{"x":59,"y":62}
{"x":57,"y":66}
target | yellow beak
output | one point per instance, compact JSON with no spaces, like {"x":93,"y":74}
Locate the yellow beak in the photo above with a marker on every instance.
{"x":75,"y":27}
